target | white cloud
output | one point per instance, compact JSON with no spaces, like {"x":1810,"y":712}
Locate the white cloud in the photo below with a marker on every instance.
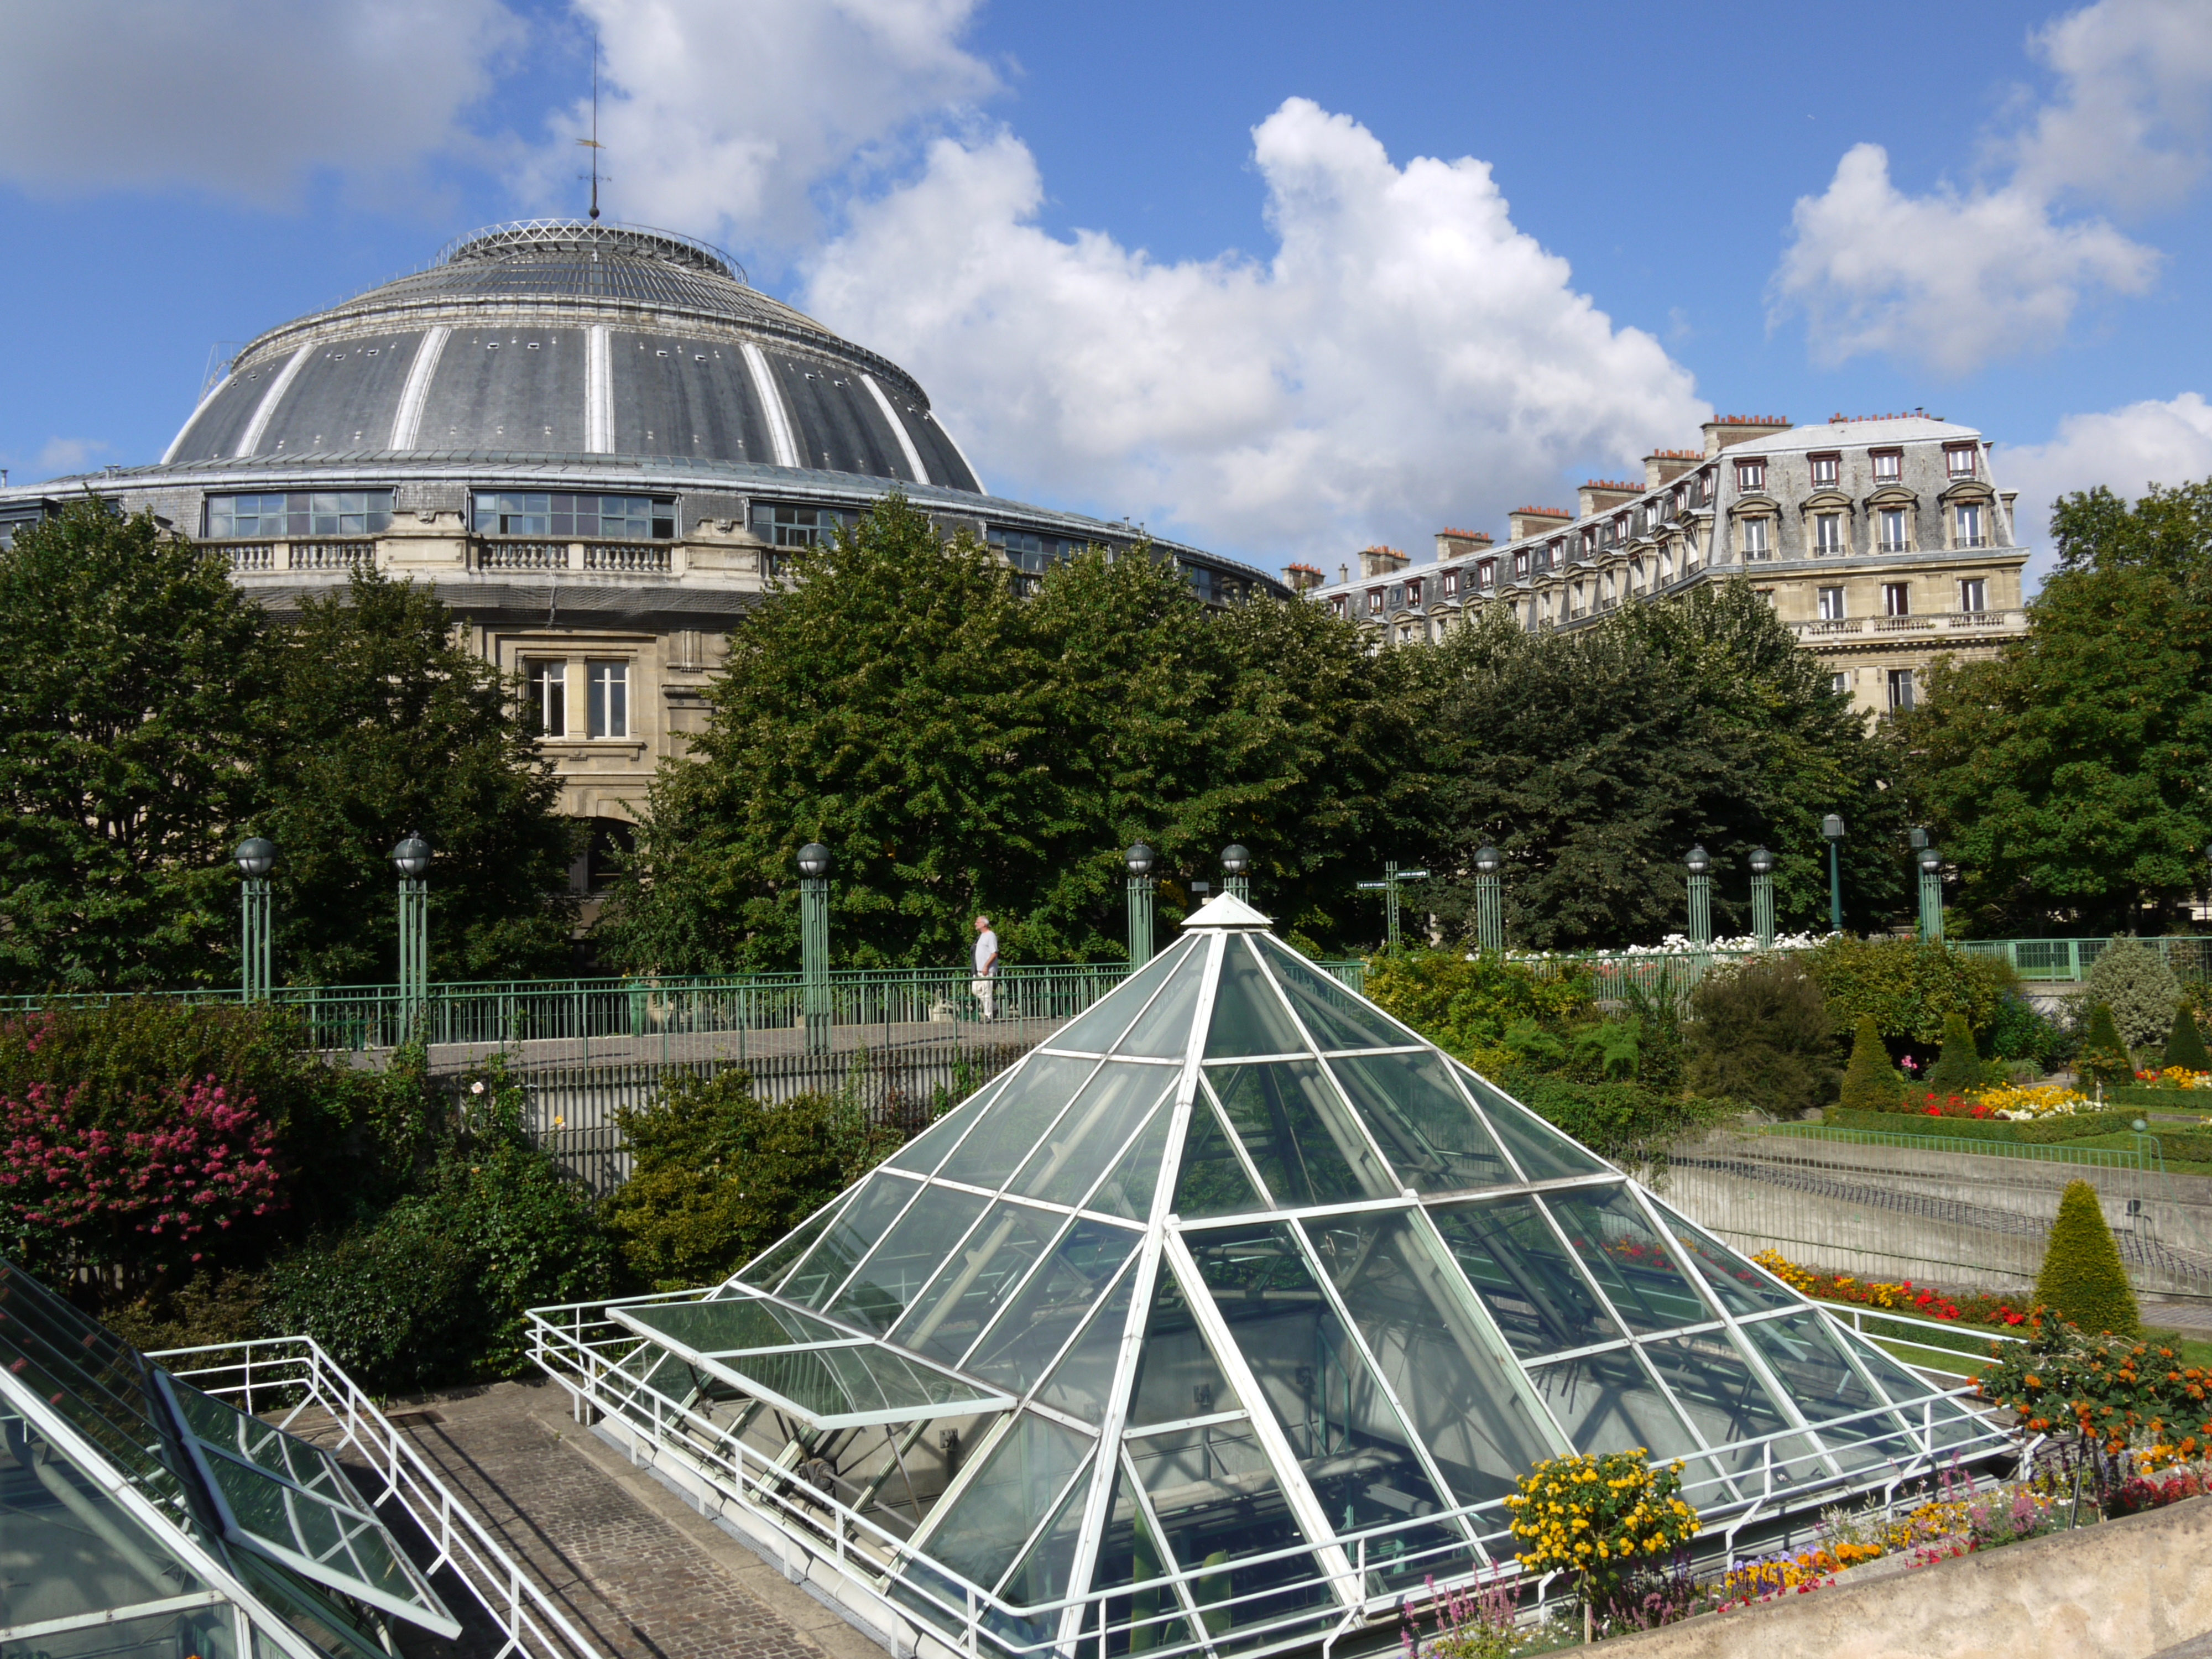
{"x":744,"y":112}
{"x":60,"y":456}
{"x":1406,"y":359}
{"x":1958,"y":277}
{"x":2166,"y":442}
{"x":239,"y":98}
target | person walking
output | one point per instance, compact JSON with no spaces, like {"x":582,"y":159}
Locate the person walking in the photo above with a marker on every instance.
{"x":987,"y":966}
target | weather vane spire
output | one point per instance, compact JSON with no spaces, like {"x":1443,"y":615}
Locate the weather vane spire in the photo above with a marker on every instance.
{"x":592,"y":142}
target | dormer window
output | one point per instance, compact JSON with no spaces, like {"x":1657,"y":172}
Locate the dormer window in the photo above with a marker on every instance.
{"x":1336,"y":604}
{"x":1826,"y":469}
{"x":1750,"y":475}
{"x":1486,"y":573}
{"x":1888,"y":465}
{"x":1413,"y":592}
{"x":1374,"y":601}
{"x":1451,"y":583}
{"x":1521,"y":562}
{"x":1958,"y":460}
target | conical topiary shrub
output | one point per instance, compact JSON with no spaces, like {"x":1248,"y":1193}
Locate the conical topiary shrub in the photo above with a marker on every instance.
{"x":2083,"y":1280}
{"x":1958,"y":1068}
{"x":2105,"y":1058}
{"x":2185,"y":1047}
{"x":1870,"y":1082}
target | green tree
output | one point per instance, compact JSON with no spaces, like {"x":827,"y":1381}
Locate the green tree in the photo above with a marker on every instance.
{"x":125,"y":740}
{"x":1958,"y":1067}
{"x":1870,"y":1081}
{"x":2104,"y":1058}
{"x":1909,"y":987}
{"x":1594,"y":759}
{"x":1761,"y":1034}
{"x":2065,"y":777}
{"x":2083,"y":1280}
{"x":2133,"y":981}
{"x":960,"y":748}
{"x":378,"y":721}
{"x":2185,"y":1047}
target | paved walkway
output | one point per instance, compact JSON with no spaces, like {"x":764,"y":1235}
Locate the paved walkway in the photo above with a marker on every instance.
{"x":632,"y":1566}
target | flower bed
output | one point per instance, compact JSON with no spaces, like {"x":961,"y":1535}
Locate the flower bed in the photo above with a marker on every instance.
{"x":2174,"y":1077}
{"x":1924,"y":1301}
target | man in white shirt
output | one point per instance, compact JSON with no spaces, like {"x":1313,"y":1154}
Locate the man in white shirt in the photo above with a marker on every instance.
{"x":986,"y":965}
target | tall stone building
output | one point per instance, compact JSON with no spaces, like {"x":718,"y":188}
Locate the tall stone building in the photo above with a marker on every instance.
{"x":596,"y":442}
{"x":1882,"y":543}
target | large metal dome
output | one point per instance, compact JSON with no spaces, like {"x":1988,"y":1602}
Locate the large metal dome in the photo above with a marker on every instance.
{"x":565,"y":339}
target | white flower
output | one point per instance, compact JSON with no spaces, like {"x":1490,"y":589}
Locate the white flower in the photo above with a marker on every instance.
{"x":476,"y":1088}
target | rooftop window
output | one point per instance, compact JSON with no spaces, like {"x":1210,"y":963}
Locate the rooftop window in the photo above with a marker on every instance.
{"x":560,"y":515}
{"x":1888,"y":465}
{"x":795,"y":526}
{"x":1826,"y":469}
{"x":1958,"y":461}
{"x":1750,"y":475}
{"x":299,"y":512}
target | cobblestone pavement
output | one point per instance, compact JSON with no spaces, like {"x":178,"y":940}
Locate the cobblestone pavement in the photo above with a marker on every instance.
{"x":630,"y":1564}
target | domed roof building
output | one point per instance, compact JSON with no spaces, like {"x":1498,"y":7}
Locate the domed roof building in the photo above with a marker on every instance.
{"x":592,"y":439}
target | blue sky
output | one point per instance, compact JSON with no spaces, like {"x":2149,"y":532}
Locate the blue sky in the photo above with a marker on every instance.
{"x":1188,"y":265}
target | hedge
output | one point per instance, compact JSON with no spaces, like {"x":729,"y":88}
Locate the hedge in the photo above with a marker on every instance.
{"x":2045,"y":1132}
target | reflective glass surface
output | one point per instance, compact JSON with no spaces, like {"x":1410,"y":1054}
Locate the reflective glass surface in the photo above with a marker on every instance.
{"x":917,"y":1245}
{"x":1038,"y":1323}
{"x":1013,"y":1124}
{"x":1132,"y":1553}
{"x":1299,"y":1133}
{"x":769,"y":1268}
{"x":1335,"y":1018}
{"x":1742,"y":1288}
{"x":1211,"y":1182}
{"x":1177,"y":1376}
{"x":1163,"y":1029}
{"x":928,"y":1149}
{"x":55,"y":1565}
{"x":1427,"y":1130}
{"x":1042,"y":1574}
{"x":1465,"y":1397}
{"x":852,"y":1386}
{"x":732,"y":1324}
{"x":1071,"y":1158}
{"x":986,"y":1521}
{"x":1607,"y":1402}
{"x":1722,"y":1396}
{"x":1525,"y":1276}
{"x":975,"y":1282}
{"x":1542,"y":1152}
{"x":1127,"y":1189}
{"x":1097,"y":1028}
{"x":1631,"y":1262}
{"x":848,"y":1238}
{"x":1082,"y":1384}
{"x":1249,"y":1017}
{"x":1809,"y":1363}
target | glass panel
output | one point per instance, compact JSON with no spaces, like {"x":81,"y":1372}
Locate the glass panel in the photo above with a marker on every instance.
{"x":1525,"y":1276}
{"x":1218,"y":1503}
{"x":915,"y":1248}
{"x":1940,"y":1419}
{"x":837,"y":1388}
{"x":1805,"y":1358}
{"x":1130,"y":1555}
{"x":1071,"y":1158}
{"x":1128,"y":1192}
{"x":928,"y":1149}
{"x":1542,"y":1152}
{"x":847,"y":1239}
{"x":1607,"y":1402}
{"x":993,"y":1514}
{"x":1742,"y":1288}
{"x":1299,"y":1134}
{"x":1082,"y":1384}
{"x":1723,"y":1398}
{"x":1018,"y":1346}
{"x":971,"y":1288}
{"x":67,"y":1548}
{"x":770,"y":1266}
{"x":1348,"y":1438}
{"x":1163,"y":1029}
{"x":331,"y":1625}
{"x":1336,"y":1018}
{"x":1212,"y":1182}
{"x":730,"y":1325}
{"x":1631,"y":1264}
{"x":1424,"y":1126}
{"x":1016,"y":1120}
{"x":1094,"y":1029}
{"x":1247,"y":1015}
{"x":1464,"y":1396}
{"x":1042,"y":1575}
{"x":1177,"y":1376}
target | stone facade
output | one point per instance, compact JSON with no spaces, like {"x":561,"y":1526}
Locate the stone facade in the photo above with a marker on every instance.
{"x":1883,"y":544}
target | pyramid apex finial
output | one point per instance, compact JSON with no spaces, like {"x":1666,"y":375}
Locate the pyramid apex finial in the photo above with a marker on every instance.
{"x":1226,"y":911}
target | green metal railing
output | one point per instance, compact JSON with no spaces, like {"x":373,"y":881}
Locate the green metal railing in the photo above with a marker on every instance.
{"x":2147,"y":1154}
{"x":506,"y":1014}
{"x":2190,"y":956}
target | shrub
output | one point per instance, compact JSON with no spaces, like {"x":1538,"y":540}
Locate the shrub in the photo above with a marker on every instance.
{"x":396,"y":1303}
{"x":1627,"y":1122}
{"x":2107,"y":1389}
{"x":1761,"y":1034}
{"x":2133,"y":981}
{"x":2104,"y":1058}
{"x":2017,"y":1031}
{"x":1908,"y":986}
{"x":719,"y":1175}
{"x":1870,"y":1082}
{"x":1958,"y":1067}
{"x":2185,"y":1046}
{"x":1603,"y":1519}
{"x":1468,"y":1007}
{"x":2083,"y":1280}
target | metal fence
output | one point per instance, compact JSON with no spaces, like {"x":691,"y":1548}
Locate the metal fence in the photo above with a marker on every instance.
{"x":2190,"y":956}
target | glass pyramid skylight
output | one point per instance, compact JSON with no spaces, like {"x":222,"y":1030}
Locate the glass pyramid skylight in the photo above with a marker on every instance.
{"x":1246,"y":1305}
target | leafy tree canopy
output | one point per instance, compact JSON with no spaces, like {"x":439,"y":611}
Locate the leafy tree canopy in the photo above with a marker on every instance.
{"x":2066,"y":776}
{"x":960,"y":749}
{"x":1594,"y":759}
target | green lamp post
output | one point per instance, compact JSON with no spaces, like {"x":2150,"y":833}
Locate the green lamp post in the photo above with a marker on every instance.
{"x":1762,"y":897}
{"x":411,"y":859}
{"x":1137,"y":860}
{"x":256,"y":856}
{"x":1931,"y":894}
{"x":1700,"y":864}
{"x":814,"y":945}
{"x":1237,"y":871}
{"x":1489,"y":901}
{"x":1831,"y":828}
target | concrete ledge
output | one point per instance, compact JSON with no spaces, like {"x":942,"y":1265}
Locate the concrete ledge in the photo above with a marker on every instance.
{"x":2126,"y":1590}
